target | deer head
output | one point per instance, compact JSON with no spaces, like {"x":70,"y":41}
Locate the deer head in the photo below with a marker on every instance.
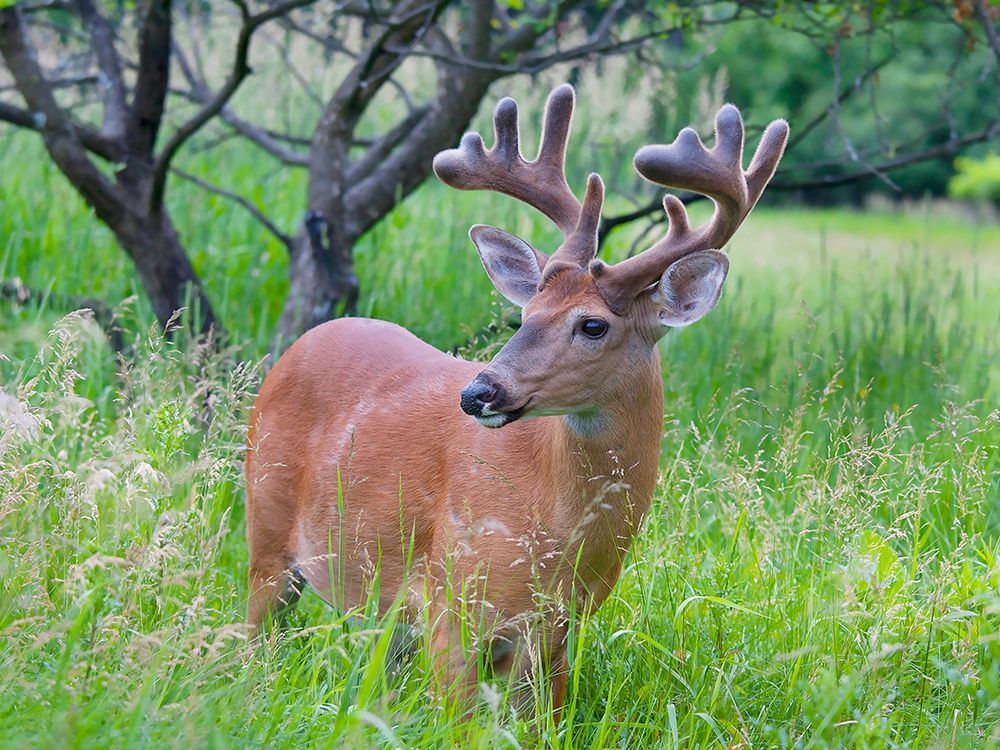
{"x":587,"y":327}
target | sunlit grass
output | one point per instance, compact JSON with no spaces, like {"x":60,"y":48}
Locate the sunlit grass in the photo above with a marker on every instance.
{"x":820,"y":567}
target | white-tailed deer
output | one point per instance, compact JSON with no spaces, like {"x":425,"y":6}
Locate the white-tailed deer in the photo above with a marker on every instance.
{"x":362,"y":463}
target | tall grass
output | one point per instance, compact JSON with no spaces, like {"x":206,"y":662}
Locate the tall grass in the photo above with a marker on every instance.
{"x":820,"y":567}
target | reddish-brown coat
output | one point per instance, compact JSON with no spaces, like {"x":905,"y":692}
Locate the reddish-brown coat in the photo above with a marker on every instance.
{"x":361,"y":462}
{"x":361,"y":414}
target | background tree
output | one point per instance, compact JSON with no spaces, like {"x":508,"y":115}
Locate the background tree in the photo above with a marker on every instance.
{"x":118,"y":91}
{"x":472,"y":44}
{"x":130,"y":201}
{"x":881,"y":97}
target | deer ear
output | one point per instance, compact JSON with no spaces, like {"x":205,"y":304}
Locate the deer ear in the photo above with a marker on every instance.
{"x":690,"y":287}
{"x":512,"y":264}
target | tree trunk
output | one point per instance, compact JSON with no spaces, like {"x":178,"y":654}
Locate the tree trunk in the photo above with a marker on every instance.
{"x":140,"y":224}
{"x":321,"y":280}
{"x":165,"y":270}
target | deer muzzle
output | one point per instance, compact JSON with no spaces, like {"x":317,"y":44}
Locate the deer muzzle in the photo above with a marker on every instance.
{"x":486,"y":401}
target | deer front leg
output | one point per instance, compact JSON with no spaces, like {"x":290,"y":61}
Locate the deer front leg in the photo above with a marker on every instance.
{"x":454,"y":674}
{"x":558,"y":677}
{"x":274,"y":588}
{"x":534,"y":670}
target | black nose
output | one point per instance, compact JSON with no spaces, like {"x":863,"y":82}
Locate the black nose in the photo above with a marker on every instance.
{"x":476,"y":395}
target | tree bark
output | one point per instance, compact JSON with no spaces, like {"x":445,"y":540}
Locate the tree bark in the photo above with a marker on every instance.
{"x":322,"y":283}
{"x":165,"y":270}
{"x":123,"y":204}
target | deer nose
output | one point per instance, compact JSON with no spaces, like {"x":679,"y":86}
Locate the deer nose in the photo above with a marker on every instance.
{"x":476,"y":395}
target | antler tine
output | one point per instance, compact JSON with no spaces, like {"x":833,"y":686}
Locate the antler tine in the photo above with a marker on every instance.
{"x":580,"y":246}
{"x":765,"y":159}
{"x":540,"y":183}
{"x":717,"y":173}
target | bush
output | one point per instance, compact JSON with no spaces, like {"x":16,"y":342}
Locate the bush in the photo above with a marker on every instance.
{"x":978,"y":179}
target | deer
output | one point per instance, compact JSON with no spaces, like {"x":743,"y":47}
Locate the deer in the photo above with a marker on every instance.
{"x":373,"y":455}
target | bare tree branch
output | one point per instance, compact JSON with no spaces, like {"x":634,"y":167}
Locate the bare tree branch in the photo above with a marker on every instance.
{"x":477,"y":39}
{"x":69,"y":82}
{"x":533,"y":65}
{"x":292,"y":68}
{"x":240,"y":70}
{"x":944,"y":149}
{"x":268,"y":141}
{"x":111,"y":83}
{"x":846,"y":93}
{"x":42,"y":5}
{"x":989,"y":27}
{"x":610,"y":223}
{"x":332,"y":45}
{"x":245,"y":203}
{"x":374,"y":68}
{"x":383,"y":146}
{"x":151,"y":81}
{"x":327,"y":42}
{"x":89,"y":138}
{"x":460,"y":89}
{"x":334,"y":133}
{"x":59,"y":134}
{"x":983,"y":11}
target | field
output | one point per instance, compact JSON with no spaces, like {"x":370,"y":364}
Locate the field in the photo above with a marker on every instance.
{"x":820,"y":568}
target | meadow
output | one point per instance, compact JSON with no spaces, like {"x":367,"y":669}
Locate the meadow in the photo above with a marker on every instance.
{"x":820,"y":567}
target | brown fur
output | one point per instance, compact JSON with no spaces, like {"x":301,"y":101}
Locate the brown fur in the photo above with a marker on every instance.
{"x":435,"y":500}
{"x":361,"y":459}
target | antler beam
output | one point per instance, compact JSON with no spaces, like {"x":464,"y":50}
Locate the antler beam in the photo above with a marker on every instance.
{"x":540,"y":183}
{"x":717,"y":173}
{"x":685,"y":163}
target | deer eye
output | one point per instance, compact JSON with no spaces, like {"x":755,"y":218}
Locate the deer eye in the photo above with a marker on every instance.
{"x":594,"y":328}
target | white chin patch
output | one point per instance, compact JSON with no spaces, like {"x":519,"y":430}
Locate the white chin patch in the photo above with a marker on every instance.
{"x":492,"y":420}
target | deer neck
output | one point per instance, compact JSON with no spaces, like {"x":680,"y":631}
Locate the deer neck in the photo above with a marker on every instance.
{"x":607,"y":461}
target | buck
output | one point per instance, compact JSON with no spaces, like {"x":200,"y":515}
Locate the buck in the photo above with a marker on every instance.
{"x":495,"y":492}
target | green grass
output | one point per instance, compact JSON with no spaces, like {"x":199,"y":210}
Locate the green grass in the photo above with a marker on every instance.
{"x":820,"y":567}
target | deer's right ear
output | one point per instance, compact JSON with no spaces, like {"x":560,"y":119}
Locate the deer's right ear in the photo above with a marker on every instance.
{"x":690,"y":287}
{"x":512,"y":264}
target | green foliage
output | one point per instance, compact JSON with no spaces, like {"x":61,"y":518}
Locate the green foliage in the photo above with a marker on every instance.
{"x":978,"y":179}
{"x":820,"y":567}
{"x":910,"y":76}
{"x":821,"y":564}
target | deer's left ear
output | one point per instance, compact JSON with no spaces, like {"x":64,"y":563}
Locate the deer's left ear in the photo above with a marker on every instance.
{"x":512,"y":264}
{"x":690,"y":287}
